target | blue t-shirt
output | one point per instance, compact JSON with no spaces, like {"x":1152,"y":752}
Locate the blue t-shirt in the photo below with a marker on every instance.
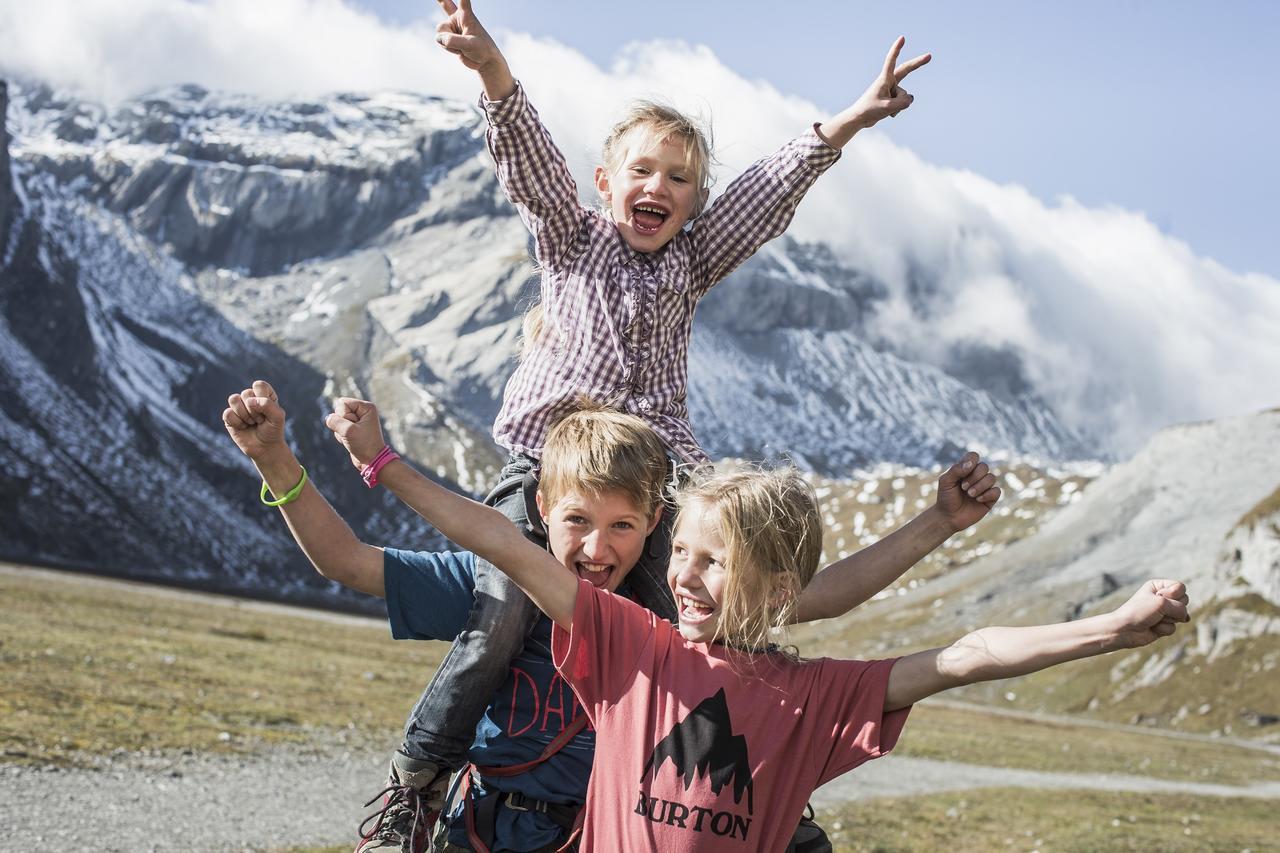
{"x":429,"y":596}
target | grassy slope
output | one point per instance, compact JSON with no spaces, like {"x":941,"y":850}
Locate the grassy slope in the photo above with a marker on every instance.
{"x":972,"y":737}
{"x":1012,"y":819}
{"x":91,"y":668}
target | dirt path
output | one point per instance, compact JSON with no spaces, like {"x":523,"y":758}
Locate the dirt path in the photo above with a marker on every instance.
{"x":898,"y":777}
{"x":285,"y":799}
{"x":190,"y":804}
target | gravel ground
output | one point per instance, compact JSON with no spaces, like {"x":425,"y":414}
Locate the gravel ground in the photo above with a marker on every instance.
{"x":193,"y":803}
{"x":897,"y":777}
{"x":189,"y":803}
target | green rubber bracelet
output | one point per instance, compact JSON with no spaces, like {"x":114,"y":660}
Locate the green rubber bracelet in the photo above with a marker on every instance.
{"x":289,"y":496}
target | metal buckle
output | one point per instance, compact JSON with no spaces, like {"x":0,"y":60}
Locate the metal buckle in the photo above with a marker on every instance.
{"x":516,"y":801}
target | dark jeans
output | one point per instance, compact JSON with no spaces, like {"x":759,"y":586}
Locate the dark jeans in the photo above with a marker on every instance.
{"x":443,"y":723}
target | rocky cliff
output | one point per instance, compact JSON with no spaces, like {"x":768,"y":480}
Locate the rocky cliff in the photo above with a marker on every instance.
{"x":7,"y":200}
{"x":185,"y":243}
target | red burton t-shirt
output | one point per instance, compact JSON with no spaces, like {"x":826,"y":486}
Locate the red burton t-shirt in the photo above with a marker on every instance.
{"x":702,"y":748}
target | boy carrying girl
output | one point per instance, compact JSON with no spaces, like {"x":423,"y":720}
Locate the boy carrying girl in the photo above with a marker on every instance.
{"x":708,"y":702}
{"x":618,"y":293}
{"x":601,"y":492}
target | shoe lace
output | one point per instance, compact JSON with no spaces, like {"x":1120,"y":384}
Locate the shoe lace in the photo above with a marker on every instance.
{"x":401,"y":805}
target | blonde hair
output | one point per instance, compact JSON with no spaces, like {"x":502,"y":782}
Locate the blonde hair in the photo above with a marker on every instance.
{"x":660,"y":122}
{"x":772,"y":533}
{"x":596,"y":449}
{"x":531,"y":329}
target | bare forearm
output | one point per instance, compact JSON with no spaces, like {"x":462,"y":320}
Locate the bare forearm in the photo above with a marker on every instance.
{"x":497,"y":80}
{"x":474,"y":526}
{"x":845,"y":584}
{"x":329,"y":543}
{"x":994,"y":653}
{"x":842,"y":127}
{"x":490,"y":535}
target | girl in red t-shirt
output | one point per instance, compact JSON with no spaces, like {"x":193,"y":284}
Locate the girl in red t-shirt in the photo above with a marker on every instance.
{"x":708,"y":737}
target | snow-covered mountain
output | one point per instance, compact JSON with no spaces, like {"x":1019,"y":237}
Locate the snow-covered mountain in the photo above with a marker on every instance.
{"x":162,"y":254}
{"x":112,"y":378}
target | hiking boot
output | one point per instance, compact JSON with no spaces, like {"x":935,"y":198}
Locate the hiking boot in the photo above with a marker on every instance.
{"x":411,"y":805}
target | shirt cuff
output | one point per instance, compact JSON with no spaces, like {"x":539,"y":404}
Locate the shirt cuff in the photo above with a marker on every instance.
{"x":820,"y":152}
{"x":509,"y":109}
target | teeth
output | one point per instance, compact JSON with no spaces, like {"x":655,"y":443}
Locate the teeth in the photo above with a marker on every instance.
{"x":693,"y":605}
{"x":650,"y":209}
{"x":594,"y":568}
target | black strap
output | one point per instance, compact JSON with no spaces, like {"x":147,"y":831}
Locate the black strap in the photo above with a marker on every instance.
{"x":485,"y":812}
{"x":527,"y":483}
{"x":809,"y":837}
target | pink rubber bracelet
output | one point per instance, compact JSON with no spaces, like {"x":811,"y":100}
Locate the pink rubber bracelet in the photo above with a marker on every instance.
{"x":370,"y":471}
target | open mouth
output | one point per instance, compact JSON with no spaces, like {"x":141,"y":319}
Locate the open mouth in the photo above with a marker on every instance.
{"x":597,"y":574}
{"x":692,"y":610}
{"x":647,"y":219}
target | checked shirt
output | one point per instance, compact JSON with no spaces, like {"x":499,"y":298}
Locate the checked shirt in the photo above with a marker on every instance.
{"x":616,"y":322}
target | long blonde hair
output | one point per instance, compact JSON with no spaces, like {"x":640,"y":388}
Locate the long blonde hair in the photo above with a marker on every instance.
{"x":772,"y":531}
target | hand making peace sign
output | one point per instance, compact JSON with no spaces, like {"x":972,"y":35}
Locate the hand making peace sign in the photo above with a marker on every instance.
{"x":462,"y":34}
{"x":884,"y":97}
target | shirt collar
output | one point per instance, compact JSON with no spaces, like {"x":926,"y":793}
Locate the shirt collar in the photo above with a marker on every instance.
{"x":628,"y":256}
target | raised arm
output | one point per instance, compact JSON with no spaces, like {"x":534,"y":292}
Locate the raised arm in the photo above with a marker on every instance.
{"x":255,"y":421}
{"x":480,"y":529}
{"x":885,"y":97}
{"x":531,"y":169}
{"x":992,"y":653}
{"x":966,"y":492}
{"x":462,"y":34}
{"x":759,"y":204}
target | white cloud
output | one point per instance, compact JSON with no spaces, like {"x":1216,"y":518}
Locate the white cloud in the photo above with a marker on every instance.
{"x":1124,"y":328}
{"x":109,"y":51}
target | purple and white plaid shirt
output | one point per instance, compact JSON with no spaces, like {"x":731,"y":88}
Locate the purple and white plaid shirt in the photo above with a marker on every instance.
{"x":616,"y":322}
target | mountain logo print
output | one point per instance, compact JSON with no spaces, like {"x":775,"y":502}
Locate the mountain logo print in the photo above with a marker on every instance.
{"x":703,"y":744}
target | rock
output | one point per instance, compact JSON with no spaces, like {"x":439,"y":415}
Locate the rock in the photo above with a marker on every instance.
{"x":8,"y":202}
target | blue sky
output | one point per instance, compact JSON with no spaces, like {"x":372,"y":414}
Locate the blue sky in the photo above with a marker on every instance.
{"x":1165,"y":108}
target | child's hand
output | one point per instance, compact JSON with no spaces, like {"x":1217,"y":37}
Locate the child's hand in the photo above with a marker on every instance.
{"x":967,"y":491}
{"x":462,"y":34}
{"x":1152,"y":612}
{"x":255,"y":421}
{"x":885,"y":96}
{"x":355,"y":425}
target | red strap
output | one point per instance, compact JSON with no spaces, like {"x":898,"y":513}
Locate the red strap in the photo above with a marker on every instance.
{"x":551,"y":749}
{"x":474,"y":837}
{"x":576,"y":833}
{"x":566,"y":735}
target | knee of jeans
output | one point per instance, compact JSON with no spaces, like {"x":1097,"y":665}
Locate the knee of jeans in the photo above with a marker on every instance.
{"x":501,"y":624}
{"x":513,"y":506}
